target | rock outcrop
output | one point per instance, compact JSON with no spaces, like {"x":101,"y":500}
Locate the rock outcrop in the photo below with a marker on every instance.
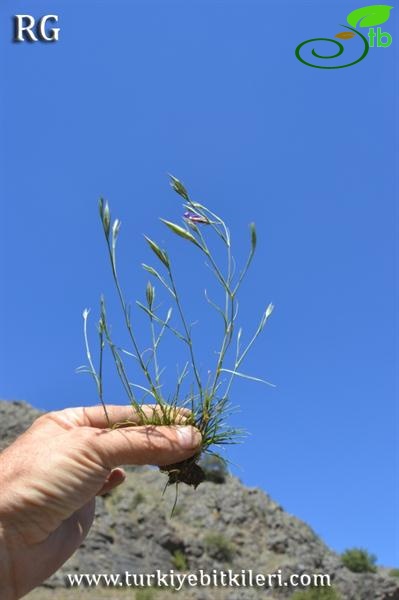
{"x":218,"y":526}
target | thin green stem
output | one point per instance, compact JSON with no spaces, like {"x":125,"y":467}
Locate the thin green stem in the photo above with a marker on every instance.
{"x":97,"y":378}
{"x":203,"y":246}
{"x":244,"y":271}
{"x":127,"y":320}
{"x":119,"y":364}
{"x":228,"y":388}
{"x":155,"y":352}
{"x":162,"y":322}
{"x":187,"y":332}
{"x":100,"y":374}
{"x":180,"y":379}
{"x":227,"y":338}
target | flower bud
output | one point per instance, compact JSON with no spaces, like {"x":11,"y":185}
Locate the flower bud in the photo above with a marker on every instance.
{"x":179,"y":187}
{"x":105,"y":216}
{"x":150,"y":294}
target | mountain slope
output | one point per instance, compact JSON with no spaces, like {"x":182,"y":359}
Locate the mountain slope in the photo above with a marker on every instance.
{"x":217,"y":526}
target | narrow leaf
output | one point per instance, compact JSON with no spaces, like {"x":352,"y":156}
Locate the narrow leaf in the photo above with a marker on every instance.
{"x":238,"y":374}
{"x":147,"y":310}
{"x":269,"y":311}
{"x":127,"y":352}
{"x":239,"y":335}
{"x":141,"y":387}
{"x":159,"y":320}
{"x":159,"y":277}
{"x":216,"y":307}
{"x":150,"y":270}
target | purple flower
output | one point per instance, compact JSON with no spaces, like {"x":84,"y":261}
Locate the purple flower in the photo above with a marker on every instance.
{"x":194,"y":218}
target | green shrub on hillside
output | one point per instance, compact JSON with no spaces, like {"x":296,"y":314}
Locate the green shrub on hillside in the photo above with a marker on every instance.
{"x":219,"y":547}
{"x":137,"y":499}
{"x":179,"y":560}
{"x":359,"y":560}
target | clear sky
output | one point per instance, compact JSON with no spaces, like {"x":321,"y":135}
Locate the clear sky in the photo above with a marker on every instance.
{"x":212,"y":92}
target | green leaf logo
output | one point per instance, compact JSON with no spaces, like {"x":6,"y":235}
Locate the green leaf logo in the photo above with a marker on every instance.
{"x":368,"y":16}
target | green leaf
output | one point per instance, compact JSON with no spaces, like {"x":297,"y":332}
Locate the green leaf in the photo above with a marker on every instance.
{"x":151,"y":314}
{"x":238,"y":374}
{"x":181,"y":232}
{"x":147,"y":310}
{"x":216,"y":307}
{"x":368,"y":16}
{"x":141,"y":387}
{"x":150,"y":270}
{"x":161,"y":254}
{"x":268,"y":312}
{"x":158,"y":276}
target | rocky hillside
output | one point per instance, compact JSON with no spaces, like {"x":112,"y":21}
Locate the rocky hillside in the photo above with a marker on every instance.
{"x":225,"y":525}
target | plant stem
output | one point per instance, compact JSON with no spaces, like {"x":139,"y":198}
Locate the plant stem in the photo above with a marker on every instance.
{"x":97,"y":378}
{"x":128,"y":323}
{"x":118,"y":361}
{"x":100,"y":375}
{"x":188,"y":334}
{"x":154,"y":352}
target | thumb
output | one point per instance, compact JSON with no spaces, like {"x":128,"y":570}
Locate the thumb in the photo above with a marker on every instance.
{"x":146,"y":445}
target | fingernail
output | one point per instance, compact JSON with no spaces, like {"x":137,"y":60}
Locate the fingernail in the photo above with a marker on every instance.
{"x":188,"y":437}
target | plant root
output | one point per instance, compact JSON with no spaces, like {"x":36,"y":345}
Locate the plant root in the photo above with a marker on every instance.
{"x":188,"y":472}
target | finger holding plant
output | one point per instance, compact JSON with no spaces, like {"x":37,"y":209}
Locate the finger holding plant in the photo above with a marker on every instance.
{"x":206,"y":397}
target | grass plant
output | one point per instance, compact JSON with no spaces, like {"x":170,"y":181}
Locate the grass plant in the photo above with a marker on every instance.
{"x":206,"y":396}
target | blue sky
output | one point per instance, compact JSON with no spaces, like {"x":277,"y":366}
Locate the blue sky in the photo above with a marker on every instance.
{"x":212,"y":92}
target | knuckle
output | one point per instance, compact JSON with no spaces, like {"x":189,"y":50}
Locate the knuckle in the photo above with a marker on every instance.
{"x":86,"y":441}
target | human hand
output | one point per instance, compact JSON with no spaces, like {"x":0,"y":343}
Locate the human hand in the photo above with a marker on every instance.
{"x":50,"y":475}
